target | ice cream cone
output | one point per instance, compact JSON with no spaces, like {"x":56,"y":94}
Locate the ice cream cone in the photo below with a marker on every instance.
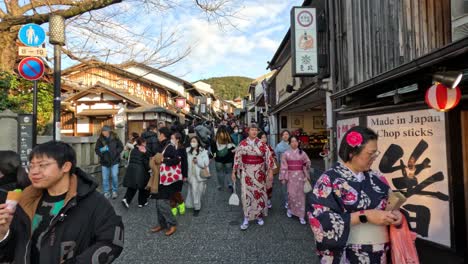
{"x":13,"y":198}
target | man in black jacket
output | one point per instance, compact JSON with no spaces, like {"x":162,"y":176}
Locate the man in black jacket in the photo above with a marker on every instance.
{"x":60,"y":218}
{"x":108,"y":148}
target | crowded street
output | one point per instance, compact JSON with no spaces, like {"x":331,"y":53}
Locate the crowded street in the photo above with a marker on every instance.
{"x":234,"y":131}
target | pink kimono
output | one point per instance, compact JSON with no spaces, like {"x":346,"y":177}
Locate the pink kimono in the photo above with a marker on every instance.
{"x":295,"y":168}
{"x":253,"y":159}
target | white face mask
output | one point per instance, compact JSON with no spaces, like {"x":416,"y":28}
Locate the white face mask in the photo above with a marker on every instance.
{"x":236,"y":131}
{"x":173,"y":142}
{"x":194,"y":144}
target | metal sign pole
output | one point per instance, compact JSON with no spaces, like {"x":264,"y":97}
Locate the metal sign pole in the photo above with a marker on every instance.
{"x":57,"y":75}
{"x":34,"y":124}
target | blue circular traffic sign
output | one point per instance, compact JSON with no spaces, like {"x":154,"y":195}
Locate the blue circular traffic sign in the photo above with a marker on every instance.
{"x":32,"y":35}
{"x":31,"y":68}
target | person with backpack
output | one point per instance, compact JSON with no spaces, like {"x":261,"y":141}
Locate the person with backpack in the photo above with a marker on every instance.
{"x":151,"y":138}
{"x":223,"y":150}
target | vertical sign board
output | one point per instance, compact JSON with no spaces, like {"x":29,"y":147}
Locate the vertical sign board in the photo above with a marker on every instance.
{"x":304,"y":41}
{"x":25,"y":137}
{"x":342,"y":126}
{"x":413,"y":159}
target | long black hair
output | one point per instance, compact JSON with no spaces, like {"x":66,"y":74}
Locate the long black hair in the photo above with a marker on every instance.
{"x":199,"y":147}
{"x":13,"y":172}
{"x":298,"y":142}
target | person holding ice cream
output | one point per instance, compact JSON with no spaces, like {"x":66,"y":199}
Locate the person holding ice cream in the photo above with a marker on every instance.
{"x":60,"y":218}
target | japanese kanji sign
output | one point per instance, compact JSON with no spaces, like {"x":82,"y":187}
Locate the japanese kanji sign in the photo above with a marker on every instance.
{"x":414,"y":161}
{"x":304,"y":41}
{"x":342,"y":126}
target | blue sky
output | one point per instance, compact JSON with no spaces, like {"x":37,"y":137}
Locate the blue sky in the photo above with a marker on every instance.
{"x":243,"y":50}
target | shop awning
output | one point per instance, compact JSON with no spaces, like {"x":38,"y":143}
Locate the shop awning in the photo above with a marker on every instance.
{"x":302,"y":100}
{"x":157,"y":109}
{"x":97,"y":112}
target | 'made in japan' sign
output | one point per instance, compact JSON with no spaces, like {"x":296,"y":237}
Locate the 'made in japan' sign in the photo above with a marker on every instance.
{"x":414,"y":161}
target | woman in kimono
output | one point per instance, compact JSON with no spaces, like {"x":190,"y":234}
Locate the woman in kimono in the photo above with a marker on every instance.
{"x":348,"y":219}
{"x":263,"y":137}
{"x":254,"y":160}
{"x":197,"y":159}
{"x":295,"y":167}
{"x":279,"y":150}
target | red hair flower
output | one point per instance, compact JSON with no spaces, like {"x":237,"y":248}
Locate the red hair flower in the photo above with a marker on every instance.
{"x":354,"y":139}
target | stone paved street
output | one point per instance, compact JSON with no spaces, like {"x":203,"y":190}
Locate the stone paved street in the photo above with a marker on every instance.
{"x":214,"y":236}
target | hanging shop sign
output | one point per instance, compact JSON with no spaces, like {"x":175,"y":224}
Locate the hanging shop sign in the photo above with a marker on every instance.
{"x":304,"y":41}
{"x":414,"y":162}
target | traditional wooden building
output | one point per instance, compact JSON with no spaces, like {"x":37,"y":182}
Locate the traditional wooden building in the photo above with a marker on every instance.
{"x":96,"y":92}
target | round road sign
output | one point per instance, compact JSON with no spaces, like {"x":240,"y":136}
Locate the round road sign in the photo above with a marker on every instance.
{"x":32,"y":35}
{"x":31,"y":68}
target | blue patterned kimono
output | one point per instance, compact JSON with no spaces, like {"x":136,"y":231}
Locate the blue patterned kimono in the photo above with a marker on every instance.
{"x":338,"y":193}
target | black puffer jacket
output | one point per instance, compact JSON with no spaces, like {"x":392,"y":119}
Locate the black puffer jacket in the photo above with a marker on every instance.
{"x":137,"y":174}
{"x":86,"y":230}
{"x":112,"y":156}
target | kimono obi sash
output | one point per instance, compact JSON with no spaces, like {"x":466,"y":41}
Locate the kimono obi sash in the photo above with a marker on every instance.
{"x":295,"y":165}
{"x":252,"y":160}
{"x":368,"y":234}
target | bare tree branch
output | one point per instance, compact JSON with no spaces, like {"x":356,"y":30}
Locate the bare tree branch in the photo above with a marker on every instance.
{"x":50,"y":3}
{"x":85,"y":6}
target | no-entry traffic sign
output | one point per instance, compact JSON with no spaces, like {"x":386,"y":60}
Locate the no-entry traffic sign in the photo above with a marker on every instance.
{"x":31,"y":68}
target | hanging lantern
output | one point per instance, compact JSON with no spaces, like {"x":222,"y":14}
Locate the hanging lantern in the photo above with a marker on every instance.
{"x":439,"y":97}
{"x":180,"y":102}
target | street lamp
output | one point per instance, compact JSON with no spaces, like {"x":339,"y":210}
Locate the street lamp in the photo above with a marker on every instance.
{"x":57,"y":38}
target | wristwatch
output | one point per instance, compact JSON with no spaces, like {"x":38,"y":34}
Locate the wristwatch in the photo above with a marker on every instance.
{"x":362,"y":217}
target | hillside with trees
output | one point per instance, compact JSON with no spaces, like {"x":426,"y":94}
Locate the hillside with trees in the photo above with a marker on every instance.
{"x":229,"y":87}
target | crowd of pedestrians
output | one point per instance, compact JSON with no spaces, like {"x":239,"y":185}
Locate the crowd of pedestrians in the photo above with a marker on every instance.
{"x":61,"y":217}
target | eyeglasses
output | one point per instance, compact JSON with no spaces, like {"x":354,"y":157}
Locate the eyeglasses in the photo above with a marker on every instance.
{"x":374,"y":155}
{"x":41,"y":166}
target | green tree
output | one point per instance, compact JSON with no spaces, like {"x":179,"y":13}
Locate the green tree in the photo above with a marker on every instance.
{"x":229,"y":87}
{"x":16,"y":94}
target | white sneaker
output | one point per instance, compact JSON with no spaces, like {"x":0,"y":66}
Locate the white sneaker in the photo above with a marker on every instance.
{"x":288,"y":213}
{"x":302,"y":220}
{"x":244,"y":225}
{"x":286,"y":205}
{"x":114,"y":195}
{"x":269,"y":204}
{"x":260,"y":221}
{"x":125,"y":203}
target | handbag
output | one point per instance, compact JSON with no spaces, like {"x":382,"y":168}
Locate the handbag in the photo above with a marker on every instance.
{"x":234,"y":199}
{"x":277,"y":169}
{"x":307,"y":186}
{"x":170,"y":174}
{"x":205,"y":173}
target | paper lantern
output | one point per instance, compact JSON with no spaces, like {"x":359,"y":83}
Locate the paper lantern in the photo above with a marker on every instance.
{"x":439,"y":97}
{"x":180,"y":102}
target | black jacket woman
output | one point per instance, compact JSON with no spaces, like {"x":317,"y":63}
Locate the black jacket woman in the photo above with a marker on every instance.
{"x":166,"y":219}
{"x":177,"y":200}
{"x":137,"y":175}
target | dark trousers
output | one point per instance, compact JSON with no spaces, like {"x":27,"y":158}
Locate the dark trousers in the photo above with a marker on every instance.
{"x":142,"y":195}
{"x":165,"y":217}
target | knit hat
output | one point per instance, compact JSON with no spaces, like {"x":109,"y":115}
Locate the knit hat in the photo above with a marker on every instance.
{"x":106,"y":128}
